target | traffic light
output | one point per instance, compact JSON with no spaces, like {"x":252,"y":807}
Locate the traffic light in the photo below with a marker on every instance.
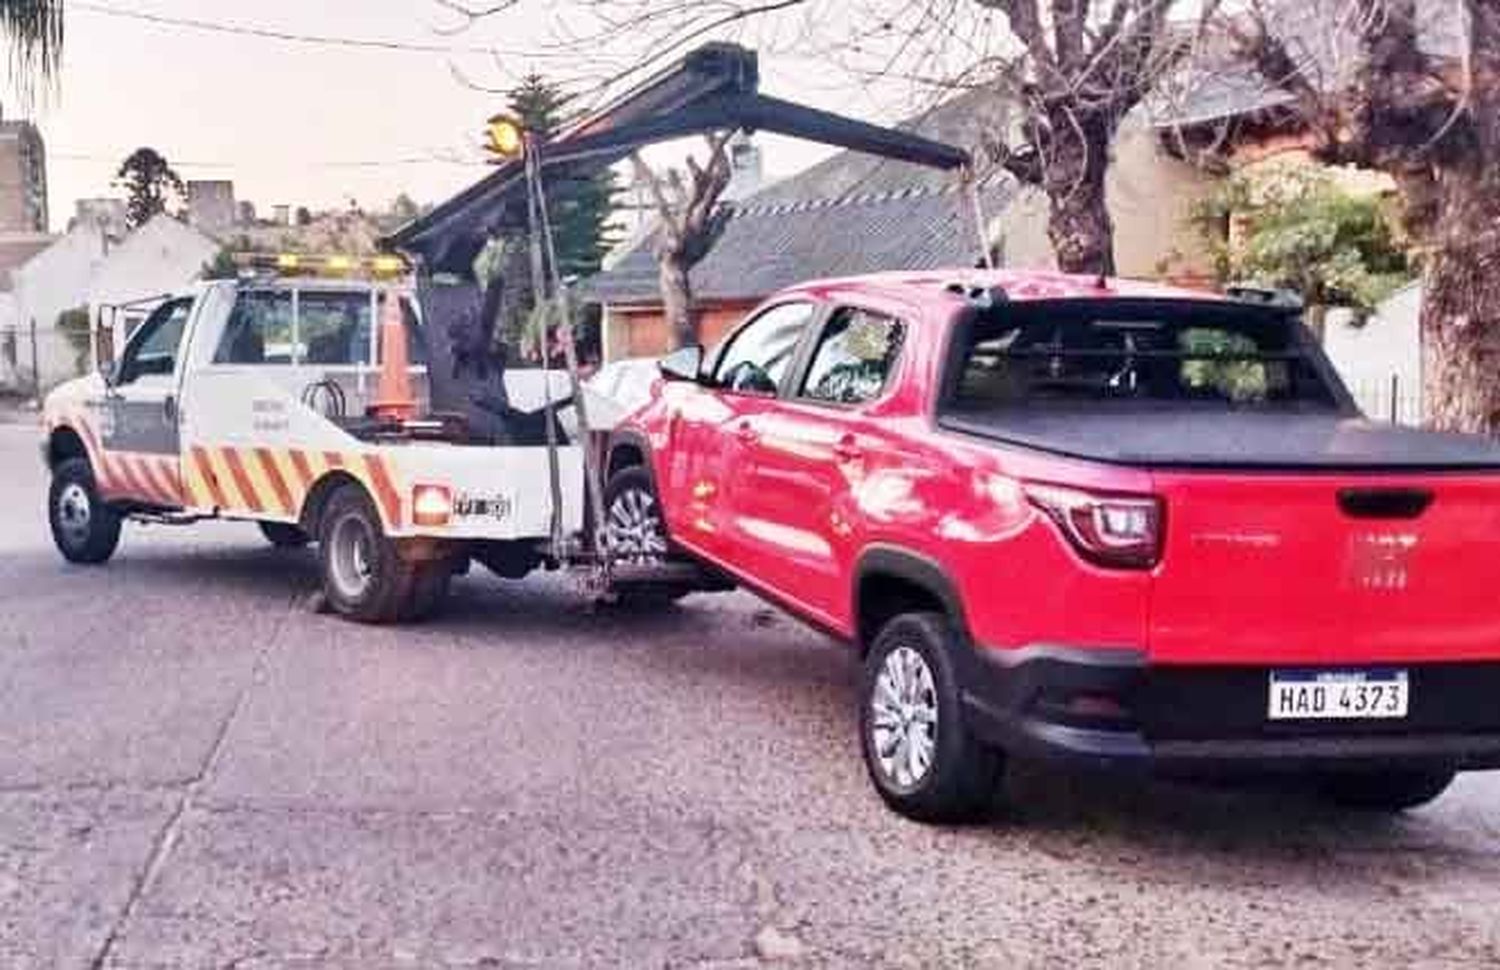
{"x":504,"y":138}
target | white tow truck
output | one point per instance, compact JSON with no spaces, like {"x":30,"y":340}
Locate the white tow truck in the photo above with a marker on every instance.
{"x":248,"y":400}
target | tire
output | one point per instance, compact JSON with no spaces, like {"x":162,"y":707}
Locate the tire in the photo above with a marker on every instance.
{"x":364,"y":578}
{"x":84,"y":528}
{"x":1385,"y":791}
{"x":910,"y":707}
{"x":638,"y":535}
{"x":284,"y":536}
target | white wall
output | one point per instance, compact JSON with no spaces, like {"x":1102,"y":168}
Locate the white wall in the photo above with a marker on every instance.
{"x":161,"y":257}
{"x":1387,"y":345}
{"x":54,"y":280}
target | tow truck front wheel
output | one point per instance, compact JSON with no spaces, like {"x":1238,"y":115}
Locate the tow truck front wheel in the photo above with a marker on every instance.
{"x":84,"y":528}
{"x":364,"y":576}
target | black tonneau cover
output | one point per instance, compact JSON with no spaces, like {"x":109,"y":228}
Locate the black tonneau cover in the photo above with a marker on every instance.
{"x":1266,"y":440}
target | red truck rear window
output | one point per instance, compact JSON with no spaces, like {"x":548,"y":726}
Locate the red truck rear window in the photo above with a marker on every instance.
{"x":1129,"y":352}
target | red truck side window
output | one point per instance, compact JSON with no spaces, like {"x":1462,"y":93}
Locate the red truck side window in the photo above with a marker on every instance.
{"x":855,"y":355}
{"x":758,"y":355}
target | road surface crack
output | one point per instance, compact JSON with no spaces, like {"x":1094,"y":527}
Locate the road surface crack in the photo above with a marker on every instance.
{"x":166,"y":839}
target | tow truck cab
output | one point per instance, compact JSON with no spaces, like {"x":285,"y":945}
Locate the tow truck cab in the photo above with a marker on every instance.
{"x":248,"y":399}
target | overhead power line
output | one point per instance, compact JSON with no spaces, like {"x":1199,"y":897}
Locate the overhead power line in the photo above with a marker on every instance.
{"x":286,"y":36}
{"x":365,"y":163}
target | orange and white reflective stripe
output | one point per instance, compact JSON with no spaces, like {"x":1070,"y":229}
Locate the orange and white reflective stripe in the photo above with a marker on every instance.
{"x":275,"y":481}
{"x":141,"y":476}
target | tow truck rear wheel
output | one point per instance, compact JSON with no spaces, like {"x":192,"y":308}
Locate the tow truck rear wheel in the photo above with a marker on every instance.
{"x":1385,"y":791}
{"x":284,"y":536}
{"x":364,"y":577}
{"x":85,"y":529}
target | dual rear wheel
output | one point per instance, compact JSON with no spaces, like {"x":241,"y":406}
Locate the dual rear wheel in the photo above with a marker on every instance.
{"x":364,"y":576}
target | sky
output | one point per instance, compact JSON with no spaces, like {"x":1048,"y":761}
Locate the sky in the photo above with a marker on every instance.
{"x":314,"y":125}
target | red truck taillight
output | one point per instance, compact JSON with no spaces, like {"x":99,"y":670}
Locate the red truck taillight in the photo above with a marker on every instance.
{"x":1122,"y":531}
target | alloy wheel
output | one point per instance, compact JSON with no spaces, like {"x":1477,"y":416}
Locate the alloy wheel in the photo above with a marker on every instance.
{"x":636,"y":534}
{"x":904,"y":715}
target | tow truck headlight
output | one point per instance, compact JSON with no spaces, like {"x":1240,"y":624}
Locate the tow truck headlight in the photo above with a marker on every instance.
{"x":431,"y":504}
{"x":1123,"y":531}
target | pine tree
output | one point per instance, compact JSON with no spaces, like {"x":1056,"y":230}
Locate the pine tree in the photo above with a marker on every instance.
{"x":580,"y":209}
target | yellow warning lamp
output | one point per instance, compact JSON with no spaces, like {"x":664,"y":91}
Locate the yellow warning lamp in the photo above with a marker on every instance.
{"x":504,"y":137}
{"x":288,"y":262}
{"x":339,"y":264}
{"x":387,"y":265}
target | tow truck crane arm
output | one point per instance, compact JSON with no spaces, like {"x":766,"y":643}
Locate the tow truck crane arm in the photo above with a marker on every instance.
{"x":713,"y":88}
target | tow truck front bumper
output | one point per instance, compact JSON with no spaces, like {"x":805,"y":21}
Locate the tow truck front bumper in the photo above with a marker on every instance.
{"x":1111,"y":709}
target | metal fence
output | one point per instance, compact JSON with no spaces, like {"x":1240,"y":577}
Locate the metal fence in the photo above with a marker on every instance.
{"x":1389,"y":399}
{"x":34,"y":359}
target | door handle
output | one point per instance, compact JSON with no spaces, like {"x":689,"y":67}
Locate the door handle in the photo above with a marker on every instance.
{"x":169,"y":407}
{"x":847,"y":450}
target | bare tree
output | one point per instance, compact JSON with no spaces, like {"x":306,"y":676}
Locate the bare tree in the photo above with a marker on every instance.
{"x":1073,"y":69}
{"x":1413,"y":89}
{"x":688,"y":222}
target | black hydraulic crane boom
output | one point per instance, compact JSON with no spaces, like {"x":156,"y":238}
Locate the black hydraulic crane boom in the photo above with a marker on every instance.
{"x":713,"y":88}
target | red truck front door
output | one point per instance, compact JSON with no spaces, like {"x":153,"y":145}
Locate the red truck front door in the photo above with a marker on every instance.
{"x":710,"y":441}
{"x":801,"y":458}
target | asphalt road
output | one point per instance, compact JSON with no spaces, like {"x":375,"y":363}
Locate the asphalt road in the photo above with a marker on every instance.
{"x":198,"y":771}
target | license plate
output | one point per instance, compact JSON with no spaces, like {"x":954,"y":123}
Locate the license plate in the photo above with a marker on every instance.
{"x":1329,"y":695}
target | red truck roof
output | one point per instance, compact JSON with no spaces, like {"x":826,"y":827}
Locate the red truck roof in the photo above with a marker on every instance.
{"x":1018,"y":284}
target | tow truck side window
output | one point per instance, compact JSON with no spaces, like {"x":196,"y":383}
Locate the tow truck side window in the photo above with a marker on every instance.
{"x":333,"y":327}
{"x":259,"y":329}
{"x":154,"y":347}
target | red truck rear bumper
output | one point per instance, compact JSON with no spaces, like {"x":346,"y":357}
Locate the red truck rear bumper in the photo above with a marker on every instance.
{"x":1111,"y":709}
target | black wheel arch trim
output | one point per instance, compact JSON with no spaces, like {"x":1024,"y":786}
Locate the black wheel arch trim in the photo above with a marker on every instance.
{"x":924,"y":572}
{"x":631,"y":438}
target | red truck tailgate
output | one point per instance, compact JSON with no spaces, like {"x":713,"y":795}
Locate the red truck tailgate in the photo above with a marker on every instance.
{"x":1327,"y":568}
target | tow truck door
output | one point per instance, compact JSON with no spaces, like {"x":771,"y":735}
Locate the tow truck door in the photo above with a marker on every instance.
{"x":139,"y":430}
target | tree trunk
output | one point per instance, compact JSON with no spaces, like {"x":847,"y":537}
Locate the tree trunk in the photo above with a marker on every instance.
{"x":1082,"y":232}
{"x":677,"y":302}
{"x":1461,"y":334}
{"x":1078,"y":221}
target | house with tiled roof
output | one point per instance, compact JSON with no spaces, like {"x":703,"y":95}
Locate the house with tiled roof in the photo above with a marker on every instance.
{"x":853,"y":213}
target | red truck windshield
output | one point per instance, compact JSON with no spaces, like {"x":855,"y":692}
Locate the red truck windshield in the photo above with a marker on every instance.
{"x":1141,"y":352}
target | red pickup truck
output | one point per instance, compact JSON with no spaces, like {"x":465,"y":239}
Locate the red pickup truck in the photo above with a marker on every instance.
{"x":1089,"y":520}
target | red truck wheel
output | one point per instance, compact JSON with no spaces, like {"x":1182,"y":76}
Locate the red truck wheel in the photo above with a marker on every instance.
{"x":921,"y":757}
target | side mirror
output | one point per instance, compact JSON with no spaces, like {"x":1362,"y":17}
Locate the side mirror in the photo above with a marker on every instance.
{"x":683,"y":364}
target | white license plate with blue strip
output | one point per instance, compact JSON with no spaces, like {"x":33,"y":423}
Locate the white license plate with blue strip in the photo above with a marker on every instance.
{"x":1339,"y":695}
